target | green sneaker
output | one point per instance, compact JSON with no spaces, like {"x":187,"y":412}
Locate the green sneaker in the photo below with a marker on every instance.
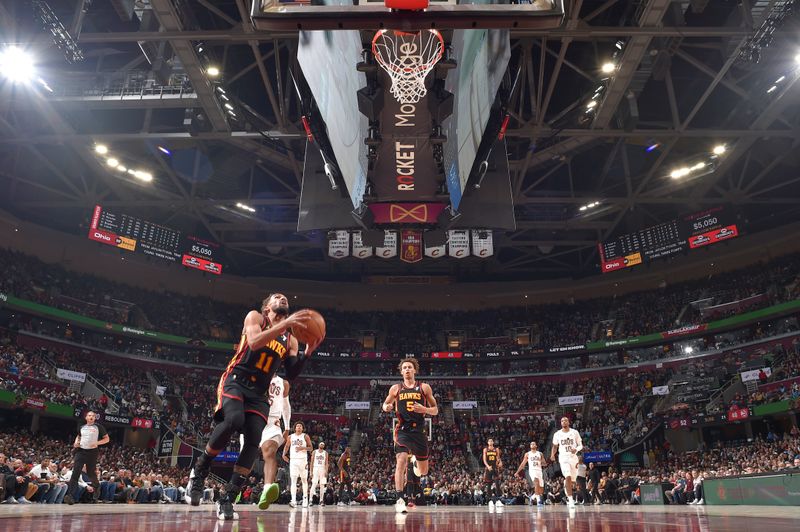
{"x":238,"y":498}
{"x":268,"y":496}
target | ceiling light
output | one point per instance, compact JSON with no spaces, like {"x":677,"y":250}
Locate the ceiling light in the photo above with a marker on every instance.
{"x":212,"y":71}
{"x":245,"y":207}
{"x":719,"y":149}
{"x":591,"y":104}
{"x":113,"y":163}
{"x":122,"y":168}
{"x":228,"y":106}
{"x":16,"y":64}
{"x":131,"y":171}
{"x":232,"y":114}
{"x":144,"y":176}
{"x":608,"y":68}
{"x":652,"y":147}
{"x":102,"y":149}
{"x":164,"y":150}
{"x":698,"y":166}
{"x":797,"y":59}
{"x":224,"y":97}
{"x":220,"y":89}
{"x":679,"y":172}
{"x":780,"y":79}
{"x":771,"y":89}
{"x":583,"y":208}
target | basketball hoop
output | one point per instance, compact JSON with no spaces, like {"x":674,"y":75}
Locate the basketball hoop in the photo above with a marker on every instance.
{"x":408,"y":57}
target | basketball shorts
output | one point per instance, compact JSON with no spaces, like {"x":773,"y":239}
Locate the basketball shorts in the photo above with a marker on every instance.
{"x":412,"y":442}
{"x":489,"y":475}
{"x":319,"y":474}
{"x":253,"y":401}
{"x":536,"y":475}
{"x":569,"y":468}
{"x":298,"y":468}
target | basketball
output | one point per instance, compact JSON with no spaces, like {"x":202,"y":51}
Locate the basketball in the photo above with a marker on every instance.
{"x":314,"y":331}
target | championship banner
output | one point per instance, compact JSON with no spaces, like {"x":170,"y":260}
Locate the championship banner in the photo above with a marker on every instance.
{"x":408,"y":213}
{"x":435,"y":252}
{"x":660,"y":390}
{"x":459,"y":243}
{"x":70,"y":375}
{"x":339,"y":247}
{"x":356,"y":405}
{"x":464,"y":405}
{"x":570,"y":400}
{"x":410,"y":246}
{"x":360,"y":251}
{"x":389,"y":249}
{"x":755,"y":374}
{"x":482,"y":247}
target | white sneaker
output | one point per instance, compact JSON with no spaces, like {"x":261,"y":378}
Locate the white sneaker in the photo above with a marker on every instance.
{"x":305,"y":503}
{"x":23,"y":500}
{"x":700,"y":502}
{"x":340,"y":503}
{"x":571,"y":503}
{"x":491,"y":505}
{"x":499,"y":504}
{"x":400,"y":506}
{"x":293,"y":504}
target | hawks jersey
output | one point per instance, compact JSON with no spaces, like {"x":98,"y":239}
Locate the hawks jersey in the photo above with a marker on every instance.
{"x":491,"y":456}
{"x":535,"y":460}
{"x":406,"y":397}
{"x":276,"y":390}
{"x":567,"y":442}
{"x":295,"y":442}
{"x":255,"y":368}
{"x":319,"y":459}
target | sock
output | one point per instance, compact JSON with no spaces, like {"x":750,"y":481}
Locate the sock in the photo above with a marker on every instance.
{"x":203,"y":462}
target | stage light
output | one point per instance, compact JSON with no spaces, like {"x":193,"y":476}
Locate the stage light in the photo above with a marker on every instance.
{"x":780,"y":79}
{"x":680,"y":172}
{"x":583,"y":208}
{"x":719,"y":149}
{"x":212,"y":71}
{"x":592,"y":104}
{"x":608,"y":67}
{"x":652,"y":147}
{"x":102,"y":149}
{"x":228,"y":106}
{"x":163,"y":150}
{"x":112,"y":162}
{"x":771,"y":89}
{"x":144,"y":176}
{"x":245,"y":207}
{"x":122,"y":168}
{"x":16,"y":64}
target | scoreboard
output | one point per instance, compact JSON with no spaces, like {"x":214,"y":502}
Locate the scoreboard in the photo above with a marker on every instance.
{"x":659,"y":241}
{"x":140,"y":236}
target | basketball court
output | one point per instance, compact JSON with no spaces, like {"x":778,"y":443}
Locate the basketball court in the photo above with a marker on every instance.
{"x":376,"y":518}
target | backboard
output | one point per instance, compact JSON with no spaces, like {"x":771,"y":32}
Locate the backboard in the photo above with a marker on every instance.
{"x":295,"y":15}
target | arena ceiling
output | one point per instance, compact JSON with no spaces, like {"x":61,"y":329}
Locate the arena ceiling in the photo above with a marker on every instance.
{"x":685,"y":82}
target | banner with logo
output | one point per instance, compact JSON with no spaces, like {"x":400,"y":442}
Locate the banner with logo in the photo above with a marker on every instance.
{"x":660,"y":390}
{"x":482,"y":243}
{"x":567,"y":348}
{"x":356,"y":405}
{"x":409,"y":213}
{"x":738,"y":414}
{"x":598,"y":457}
{"x":435,"y":252}
{"x":339,"y":247}
{"x":167,"y":444}
{"x":410,"y":246}
{"x":70,"y":375}
{"x":570,"y":400}
{"x":464,"y":405}
{"x":227,"y":457}
{"x":360,"y":251}
{"x":686,"y":329}
{"x":389,"y":248}
{"x":34,"y":403}
{"x":755,"y":374}
{"x":459,"y":243}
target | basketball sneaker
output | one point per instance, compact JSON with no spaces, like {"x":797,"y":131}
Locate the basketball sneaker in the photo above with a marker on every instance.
{"x":491,"y":505}
{"x":400,"y":506}
{"x":293,"y":504}
{"x":499,"y":504}
{"x":225,"y":509}
{"x":197,"y":481}
{"x":269,"y":495}
{"x":305,"y":503}
{"x":570,"y":502}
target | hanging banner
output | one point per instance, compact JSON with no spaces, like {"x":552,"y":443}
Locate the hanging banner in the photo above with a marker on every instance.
{"x":339,"y":247}
{"x":356,"y":405}
{"x":410,"y":246}
{"x":389,"y":249}
{"x":570,"y":400}
{"x":161,"y":390}
{"x":360,"y":251}
{"x":459,"y":243}
{"x":660,"y":390}
{"x":435,"y":252}
{"x":167,"y":444}
{"x":69,"y":375}
{"x":756,"y":374}
{"x":464,"y":405}
{"x":482,"y":244}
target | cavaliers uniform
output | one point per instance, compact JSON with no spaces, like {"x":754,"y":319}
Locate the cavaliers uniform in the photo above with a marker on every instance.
{"x":409,"y":433}
{"x":491,"y":458}
{"x":248,"y":375}
{"x":568,"y":442}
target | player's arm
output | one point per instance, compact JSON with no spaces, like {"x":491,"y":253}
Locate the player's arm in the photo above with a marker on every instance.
{"x":391,"y":398}
{"x":522,"y":464}
{"x":308,"y":444}
{"x":104,"y":438}
{"x":326,"y":463}
{"x":578,"y":443}
{"x":286,"y":411}
{"x":432,"y":410}
{"x":553,"y":449}
{"x":256,"y":338}
{"x":485,"y":461}
{"x":340,"y":463}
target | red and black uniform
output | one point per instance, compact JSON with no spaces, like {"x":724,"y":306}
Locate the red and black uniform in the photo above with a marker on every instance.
{"x":489,"y":475}
{"x":410,"y":429}
{"x":249,"y":373}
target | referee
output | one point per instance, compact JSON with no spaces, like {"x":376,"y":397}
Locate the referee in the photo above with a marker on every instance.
{"x":91,"y":435}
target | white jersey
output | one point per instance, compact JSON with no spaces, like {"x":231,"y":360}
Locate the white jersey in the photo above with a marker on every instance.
{"x":296,"y":441}
{"x":535,"y":460}
{"x":567,"y":442}
{"x":276,"y":391}
{"x":319,"y":459}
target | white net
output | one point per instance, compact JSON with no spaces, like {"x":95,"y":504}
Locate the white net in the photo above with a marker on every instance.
{"x":408,"y":58}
